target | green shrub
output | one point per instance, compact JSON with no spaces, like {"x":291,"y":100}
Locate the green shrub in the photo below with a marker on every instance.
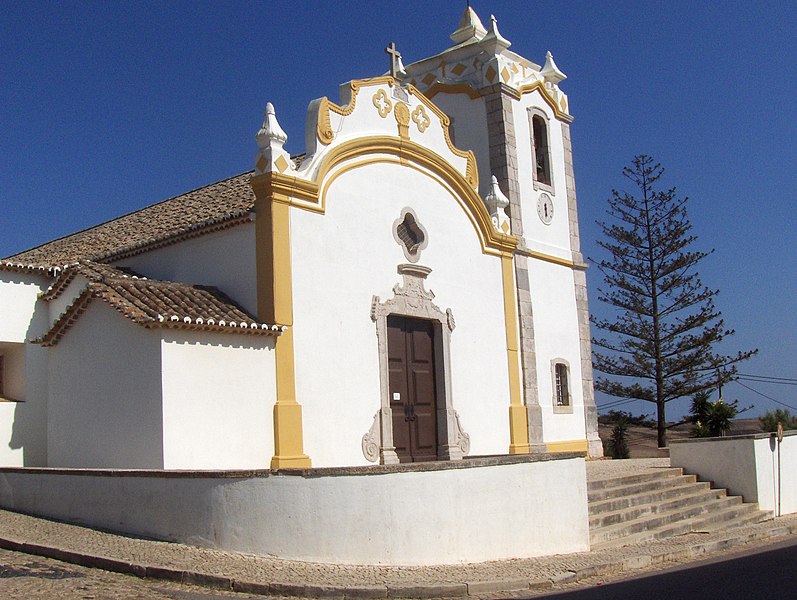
{"x":618,"y":443}
{"x":770,"y":420}
{"x":712,"y":419}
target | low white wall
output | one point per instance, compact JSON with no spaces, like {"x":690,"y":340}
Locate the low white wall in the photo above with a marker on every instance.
{"x":372,"y":515}
{"x":751,"y":466}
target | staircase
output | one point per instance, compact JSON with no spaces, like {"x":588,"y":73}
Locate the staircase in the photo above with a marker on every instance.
{"x":660,"y":503}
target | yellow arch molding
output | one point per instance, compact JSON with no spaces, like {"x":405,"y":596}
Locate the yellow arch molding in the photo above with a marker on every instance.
{"x":311,"y":195}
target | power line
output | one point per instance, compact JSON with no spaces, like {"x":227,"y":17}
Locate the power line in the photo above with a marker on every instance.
{"x":766,"y":377}
{"x":765,"y":396}
{"x":745,"y":378}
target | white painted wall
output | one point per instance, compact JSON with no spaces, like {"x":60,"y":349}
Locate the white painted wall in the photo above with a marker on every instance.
{"x":13,"y":389}
{"x":470,"y":131}
{"x":342,"y":259}
{"x":412,"y":518}
{"x":556,"y":336}
{"x":23,"y":429}
{"x":225,"y":259}
{"x":18,"y":293}
{"x":23,"y":439}
{"x":751,"y":466}
{"x":218,"y":395}
{"x":105,"y":394}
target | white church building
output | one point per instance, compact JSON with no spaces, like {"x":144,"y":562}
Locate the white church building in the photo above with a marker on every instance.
{"x":408,"y":289}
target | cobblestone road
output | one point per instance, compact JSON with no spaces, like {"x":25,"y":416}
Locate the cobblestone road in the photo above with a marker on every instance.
{"x":32,"y":577}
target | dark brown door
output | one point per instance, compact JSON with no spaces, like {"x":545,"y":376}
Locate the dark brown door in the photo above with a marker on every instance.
{"x":410,"y":344}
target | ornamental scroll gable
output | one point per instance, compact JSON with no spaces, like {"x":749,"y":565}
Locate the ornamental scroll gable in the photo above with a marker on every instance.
{"x":379,"y":108}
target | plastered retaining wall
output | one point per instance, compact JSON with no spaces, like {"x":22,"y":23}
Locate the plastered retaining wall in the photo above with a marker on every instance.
{"x":757,"y":467}
{"x":428,"y":513}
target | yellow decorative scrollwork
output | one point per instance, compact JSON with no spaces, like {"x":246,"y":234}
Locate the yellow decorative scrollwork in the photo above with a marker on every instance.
{"x":382,"y":103}
{"x":420,"y":118}
{"x":402,"y":114}
{"x":325,"y":133}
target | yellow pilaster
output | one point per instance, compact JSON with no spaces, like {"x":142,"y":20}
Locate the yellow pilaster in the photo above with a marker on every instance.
{"x":275,"y":305}
{"x":518,"y":419}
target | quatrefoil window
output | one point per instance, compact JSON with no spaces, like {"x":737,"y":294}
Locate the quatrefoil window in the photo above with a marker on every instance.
{"x":410,"y":234}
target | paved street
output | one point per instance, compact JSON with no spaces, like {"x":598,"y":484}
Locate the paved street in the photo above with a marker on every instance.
{"x":33,"y":577}
{"x":761,"y":573}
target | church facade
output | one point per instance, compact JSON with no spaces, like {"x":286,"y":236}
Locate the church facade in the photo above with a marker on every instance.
{"x":410,"y":288}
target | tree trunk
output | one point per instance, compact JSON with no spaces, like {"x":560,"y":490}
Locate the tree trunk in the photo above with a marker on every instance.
{"x":661,"y":425}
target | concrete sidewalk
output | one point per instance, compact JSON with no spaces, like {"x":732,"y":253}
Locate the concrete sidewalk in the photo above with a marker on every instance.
{"x":271,"y":576}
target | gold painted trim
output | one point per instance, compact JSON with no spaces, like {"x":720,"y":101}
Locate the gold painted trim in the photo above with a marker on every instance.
{"x":568,"y":446}
{"x":326,"y":135}
{"x":409,"y":152}
{"x":300,"y":193}
{"x":324,"y":126}
{"x":518,"y":418}
{"x":539,"y":86}
{"x":565,"y":262}
{"x":275,"y":300}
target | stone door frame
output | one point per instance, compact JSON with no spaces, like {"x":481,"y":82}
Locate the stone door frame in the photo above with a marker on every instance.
{"x":412,"y":300}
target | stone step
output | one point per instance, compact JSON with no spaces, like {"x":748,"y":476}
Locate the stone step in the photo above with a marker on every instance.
{"x":676,"y":499}
{"x":654,"y":475}
{"x":649,"y":496}
{"x":737,"y":515}
{"x":656,"y":521}
{"x":638,"y":487}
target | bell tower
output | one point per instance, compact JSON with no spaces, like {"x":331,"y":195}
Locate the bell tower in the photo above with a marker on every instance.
{"x":515,"y":118}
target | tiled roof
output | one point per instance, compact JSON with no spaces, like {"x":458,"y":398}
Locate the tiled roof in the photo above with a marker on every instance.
{"x":210,"y":208}
{"x":17,"y":267}
{"x":151,"y":303}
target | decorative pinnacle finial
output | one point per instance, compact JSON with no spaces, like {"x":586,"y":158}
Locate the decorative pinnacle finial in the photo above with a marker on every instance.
{"x":496,"y":203}
{"x":550,"y":72}
{"x":271,"y":130}
{"x":470,"y":27}
{"x":494,"y":42}
{"x":271,"y":155}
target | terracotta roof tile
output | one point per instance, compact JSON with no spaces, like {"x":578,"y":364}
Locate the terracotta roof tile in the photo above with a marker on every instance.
{"x":152,"y":303}
{"x":216,"y":206}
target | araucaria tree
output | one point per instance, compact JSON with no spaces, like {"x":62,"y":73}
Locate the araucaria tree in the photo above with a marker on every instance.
{"x":659,"y":344}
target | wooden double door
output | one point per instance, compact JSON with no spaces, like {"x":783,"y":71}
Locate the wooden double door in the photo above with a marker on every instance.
{"x":413,"y":386}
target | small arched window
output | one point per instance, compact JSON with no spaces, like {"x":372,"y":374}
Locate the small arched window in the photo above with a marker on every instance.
{"x":542,"y":154}
{"x":562,"y":388}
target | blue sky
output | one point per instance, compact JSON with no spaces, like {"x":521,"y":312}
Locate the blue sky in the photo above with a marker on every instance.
{"x":106,"y":107}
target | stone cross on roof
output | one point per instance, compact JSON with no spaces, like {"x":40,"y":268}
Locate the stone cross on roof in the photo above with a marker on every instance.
{"x":396,"y":67}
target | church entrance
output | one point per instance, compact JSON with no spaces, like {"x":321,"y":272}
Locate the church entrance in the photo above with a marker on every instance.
{"x":413,"y":402}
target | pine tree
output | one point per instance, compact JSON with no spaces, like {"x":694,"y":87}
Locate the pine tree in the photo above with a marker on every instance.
{"x":661,"y":340}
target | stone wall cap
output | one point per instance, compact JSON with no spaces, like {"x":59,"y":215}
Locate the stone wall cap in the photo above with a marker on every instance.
{"x":465,"y":463}
{"x":748,"y":436}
